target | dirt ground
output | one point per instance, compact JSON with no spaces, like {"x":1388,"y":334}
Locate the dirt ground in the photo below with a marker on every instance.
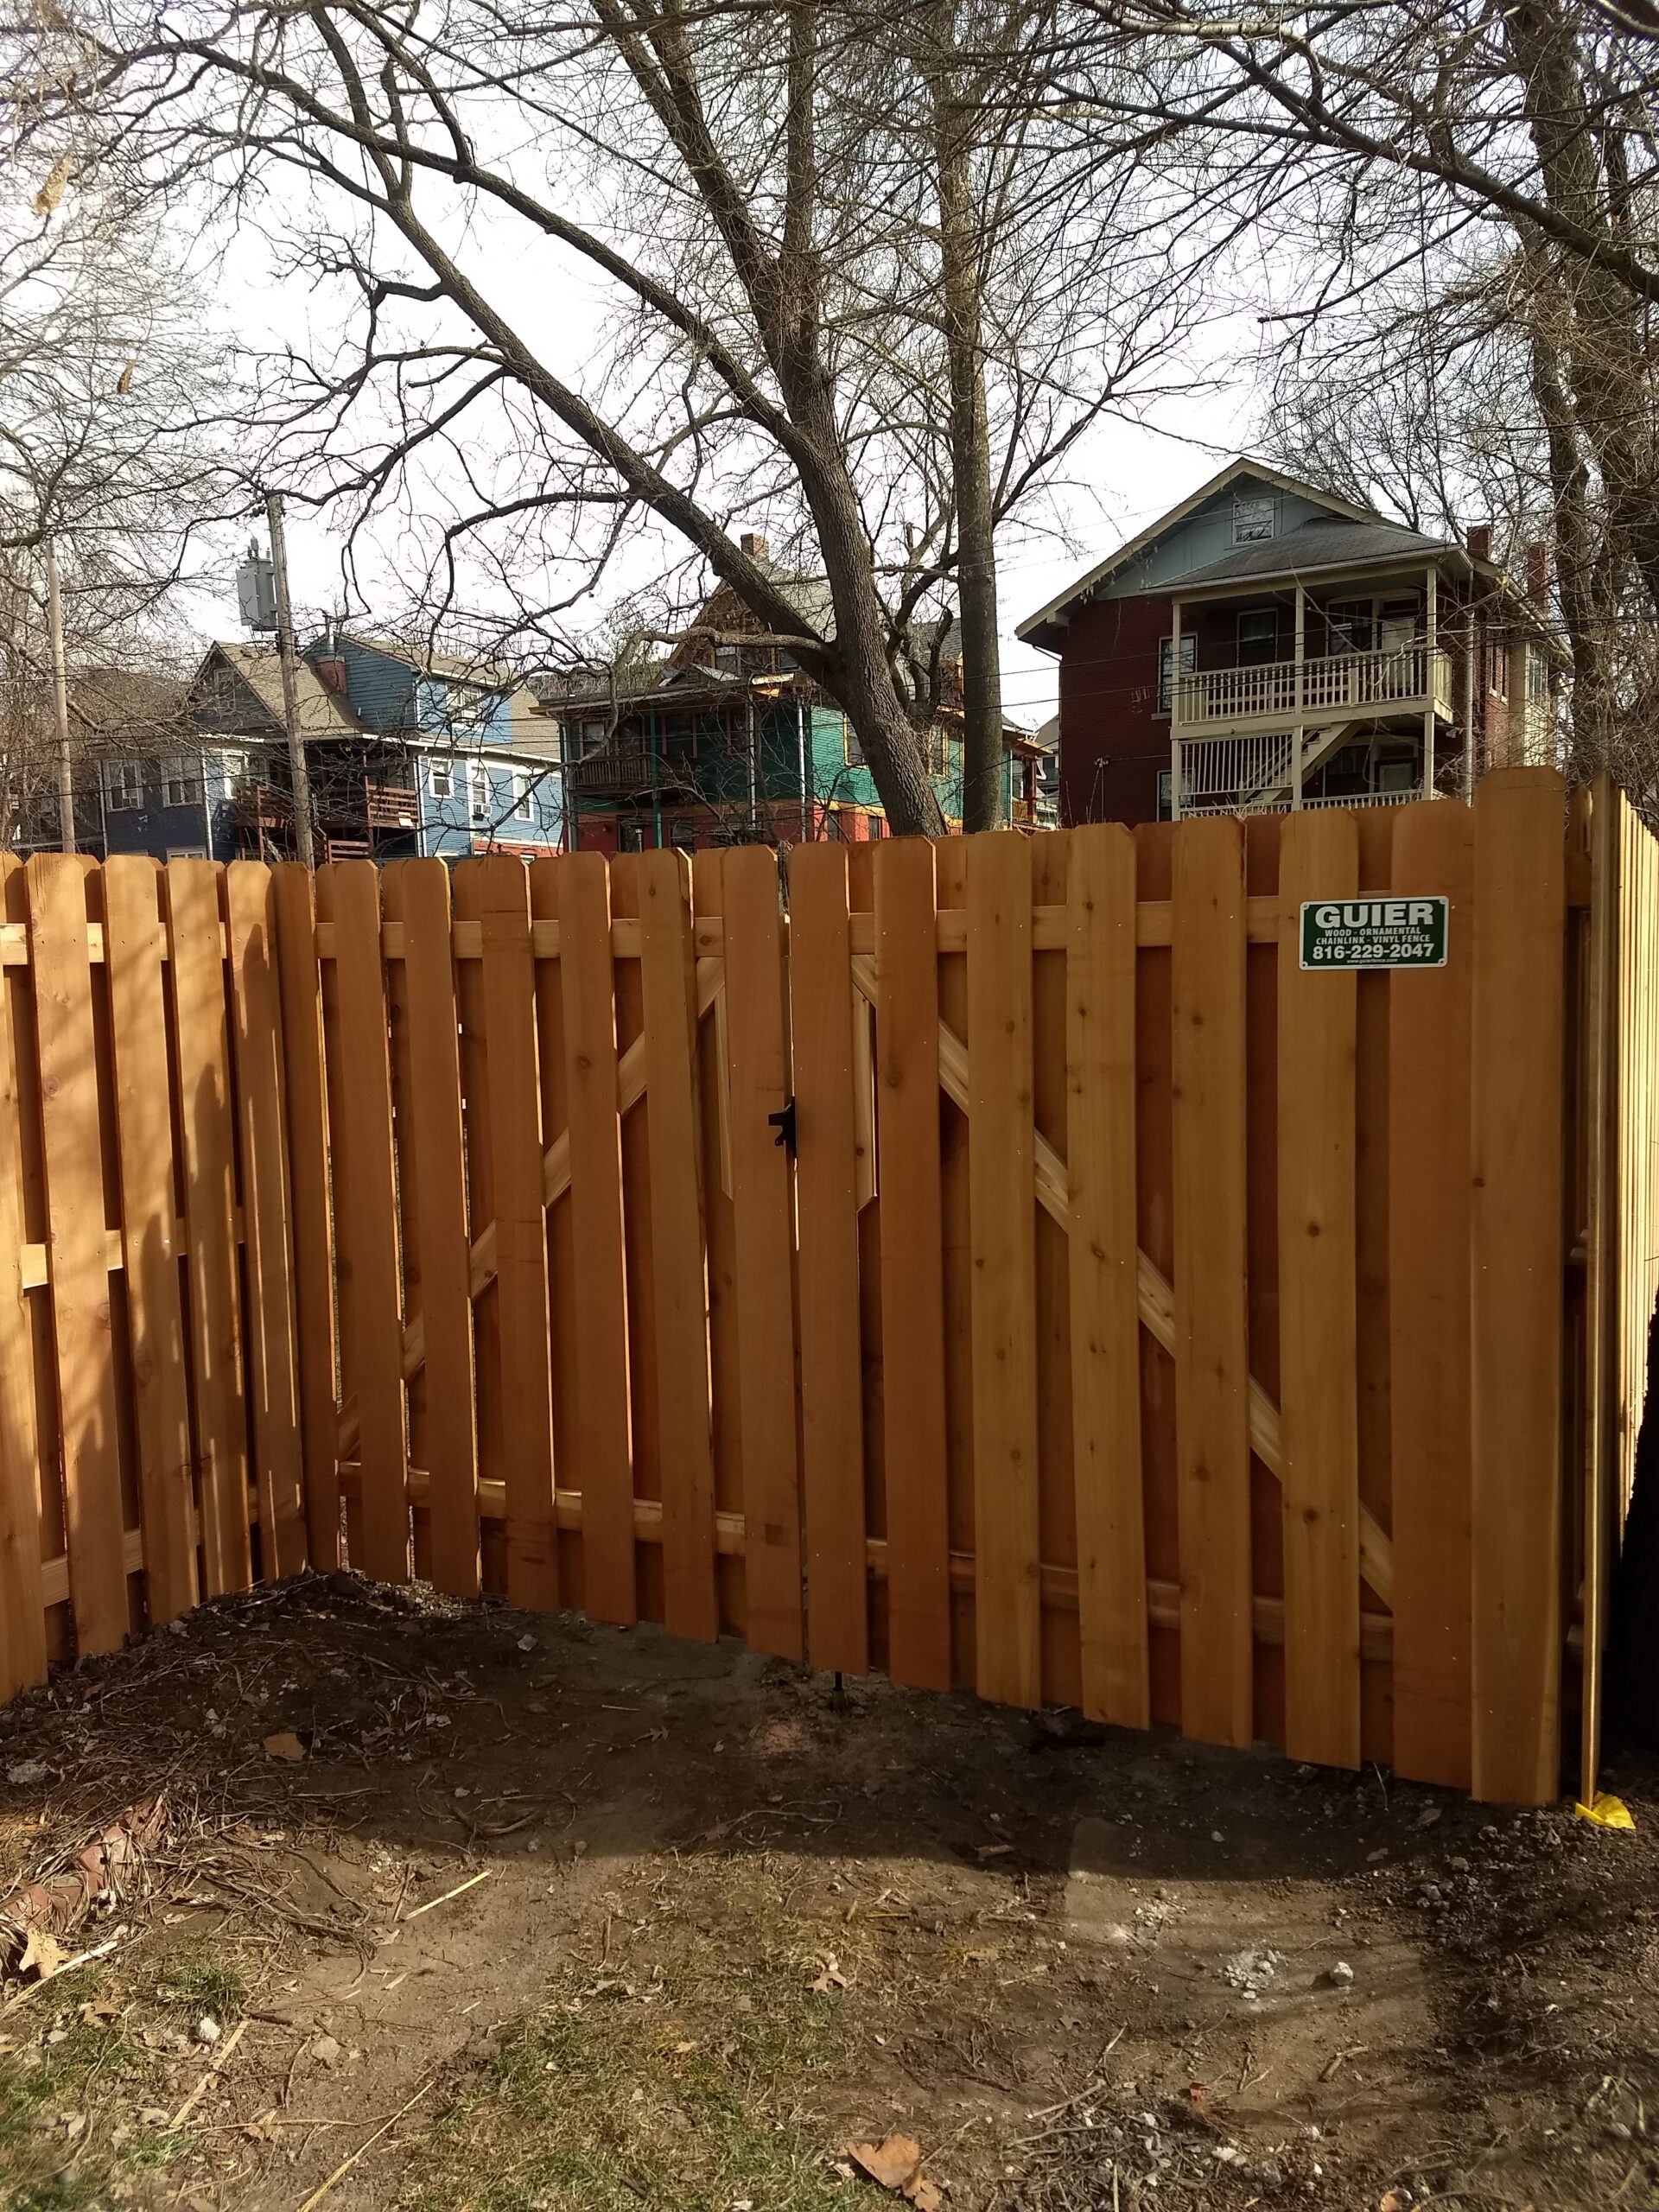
{"x":726,"y":1920}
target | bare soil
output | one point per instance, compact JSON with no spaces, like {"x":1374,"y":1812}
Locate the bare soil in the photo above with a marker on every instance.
{"x":734,"y":1918}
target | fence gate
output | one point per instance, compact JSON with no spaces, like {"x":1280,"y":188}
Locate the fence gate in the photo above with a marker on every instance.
{"x":1018,"y":1263}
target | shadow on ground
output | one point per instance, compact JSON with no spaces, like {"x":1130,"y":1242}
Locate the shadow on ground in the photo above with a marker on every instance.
{"x":734,"y":1919}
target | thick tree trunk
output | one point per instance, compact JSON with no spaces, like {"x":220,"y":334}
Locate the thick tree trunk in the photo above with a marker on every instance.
{"x":1603,"y":345}
{"x":984,"y":780}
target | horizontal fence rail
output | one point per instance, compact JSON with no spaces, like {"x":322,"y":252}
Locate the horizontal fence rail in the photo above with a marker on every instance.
{"x":995,"y":1261}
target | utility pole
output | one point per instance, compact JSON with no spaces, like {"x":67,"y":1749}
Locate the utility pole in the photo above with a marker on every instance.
{"x":299,"y":779}
{"x":60,"y":700}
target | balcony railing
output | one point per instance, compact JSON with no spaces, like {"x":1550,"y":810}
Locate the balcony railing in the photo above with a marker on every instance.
{"x":390,"y":806}
{"x":613,"y":771}
{"x":1236,"y":775}
{"x":1327,"y":689}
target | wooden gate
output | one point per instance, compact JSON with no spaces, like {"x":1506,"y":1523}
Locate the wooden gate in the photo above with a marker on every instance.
{"x":997,"y":1262}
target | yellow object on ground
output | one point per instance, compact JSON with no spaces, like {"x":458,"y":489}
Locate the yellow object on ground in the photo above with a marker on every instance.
{"x":1607,"y":1812}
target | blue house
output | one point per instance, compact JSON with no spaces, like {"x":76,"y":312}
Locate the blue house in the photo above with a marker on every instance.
{"x":407,"y":754}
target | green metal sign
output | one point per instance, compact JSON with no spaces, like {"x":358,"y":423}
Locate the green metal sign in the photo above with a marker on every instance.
{"x":1373,"y":932}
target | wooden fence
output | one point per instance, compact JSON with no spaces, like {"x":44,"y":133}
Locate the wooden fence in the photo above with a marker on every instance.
{"x":1122,"y":1316}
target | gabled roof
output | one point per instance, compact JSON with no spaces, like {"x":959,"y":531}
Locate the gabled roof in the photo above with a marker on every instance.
{"x":1258,"y":471}
{"x":1313,"y":546}
{"x":323,"y":713}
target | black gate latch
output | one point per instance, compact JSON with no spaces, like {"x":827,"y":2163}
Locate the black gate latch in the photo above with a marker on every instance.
{"x":783,"y":1122}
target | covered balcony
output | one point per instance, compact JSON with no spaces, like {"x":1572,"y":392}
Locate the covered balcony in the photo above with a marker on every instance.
{"x":1408,"y":679}
{"x":1278,"y":699}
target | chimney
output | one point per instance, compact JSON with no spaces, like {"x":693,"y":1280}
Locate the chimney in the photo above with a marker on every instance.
{"x":332,"y":673}
{"x":1479,"y":537}
{"x":1536,"y":558}
{"x":755,"y":545}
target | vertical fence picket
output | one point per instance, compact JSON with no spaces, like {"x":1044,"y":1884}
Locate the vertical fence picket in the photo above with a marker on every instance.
{"x":23,"y":1600}
{"x":602,"y":1431}
{"x":826,"y":1186}
{"x":79,"y":1251}
{"x":134,"y":943}
{"x":309,"y":1153}
{"x":1212,"y":1354}
{"x":764,"y":1287}
{"x":279,"y":1480}
{"x":494,"y":891}
{"x":907,"y":1127}
{"x":1430,"y":1197}
{"x":679,"y":1280}
{"x":195,"y":938}
{"x":367,"y":1212}
{"x":1001,"y":1216}
{"x":1520,"y":923}
{"x":1318,"y":1015}
{"x":1105,"y":1310}
{"x":432,"y":1157}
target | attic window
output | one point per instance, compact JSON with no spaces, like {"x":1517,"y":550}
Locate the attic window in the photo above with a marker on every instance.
{"x":1253,"y":521}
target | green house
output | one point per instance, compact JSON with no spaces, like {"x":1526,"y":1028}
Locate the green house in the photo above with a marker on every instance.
{"x":729,"y":742}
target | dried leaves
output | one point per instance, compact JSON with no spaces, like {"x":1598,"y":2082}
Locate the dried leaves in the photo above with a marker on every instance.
{"x":896,"y":2163}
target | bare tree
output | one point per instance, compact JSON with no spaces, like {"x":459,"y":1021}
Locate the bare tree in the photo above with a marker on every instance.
{"x":711,"y":176}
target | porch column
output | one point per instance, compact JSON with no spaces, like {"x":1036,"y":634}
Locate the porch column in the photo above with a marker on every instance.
{"x":1174,"y":709}
{"x":1301,"y":655}
{"x":1430,"y":632}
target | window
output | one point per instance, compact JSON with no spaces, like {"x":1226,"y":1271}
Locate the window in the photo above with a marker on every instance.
{"x":521,"y":790}
{"x":1350,"y":625}
{"x":186,"y":852}
{"x":726,"y":659}
{"x":123,"y":786}
{"x":594,"y":731}
{"x":1189,"y":662}
{"x":1496,"y":667}
{"x":180,"y":782}
{"x":1397,"y":624}
{"x":1252,"y":520}
{"x":1397,"y":775}
{"x":1537,"y":676}
{"x":443,"y":779}
{"x":851,"y":750}
{"x":1165,"y":786}
{"x":1258,"y":637}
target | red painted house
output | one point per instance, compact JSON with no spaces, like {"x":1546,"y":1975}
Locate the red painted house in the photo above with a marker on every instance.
{"x":1267,"y":644}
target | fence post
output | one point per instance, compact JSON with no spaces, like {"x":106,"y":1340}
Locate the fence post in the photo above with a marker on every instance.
{"x":1520,"y":933}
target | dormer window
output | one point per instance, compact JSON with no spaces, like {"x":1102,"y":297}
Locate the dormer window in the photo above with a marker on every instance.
{"x":1253,"y":519}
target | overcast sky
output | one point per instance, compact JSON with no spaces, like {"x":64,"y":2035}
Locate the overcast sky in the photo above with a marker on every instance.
{"x":1118,"y":479}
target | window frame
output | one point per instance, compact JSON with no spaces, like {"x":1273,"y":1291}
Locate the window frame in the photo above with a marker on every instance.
{"x":123,"y":786}
{"x":523,"y":787}
{"x":1265,"y":509}
{"x":182,"y":789}
{"x":1270,"y":616}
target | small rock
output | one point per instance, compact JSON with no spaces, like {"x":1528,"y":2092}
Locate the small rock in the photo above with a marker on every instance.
{"x":1427,"y":1817}
{"x":155,"y":2116}
{"x":1340,"y":1976}
{"x":208,"y":2028}
{"x":1460,"y":1865}
{"x":325,"y":2051}
{"x":1375,"y":1858}
{"x":27,"y":1771}
{"x":57,"y":2035}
